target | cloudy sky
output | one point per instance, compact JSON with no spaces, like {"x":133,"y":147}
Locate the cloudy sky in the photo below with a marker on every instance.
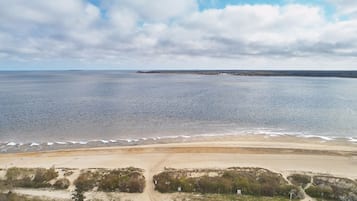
{"x":178,"y":34}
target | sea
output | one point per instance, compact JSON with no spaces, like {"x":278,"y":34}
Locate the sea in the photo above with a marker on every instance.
{"x":44,"y":109}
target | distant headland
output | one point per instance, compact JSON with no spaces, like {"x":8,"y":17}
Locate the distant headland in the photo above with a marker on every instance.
{"x":299,"y":73}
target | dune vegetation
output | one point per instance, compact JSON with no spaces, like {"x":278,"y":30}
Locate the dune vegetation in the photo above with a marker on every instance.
{"x":245,"y":181}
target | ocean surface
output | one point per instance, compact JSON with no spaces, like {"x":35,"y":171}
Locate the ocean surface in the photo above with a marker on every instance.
{"x":82,"y":106}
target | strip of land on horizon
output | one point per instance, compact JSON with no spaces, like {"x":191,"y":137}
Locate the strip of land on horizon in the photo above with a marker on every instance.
{"x":298,"y":73}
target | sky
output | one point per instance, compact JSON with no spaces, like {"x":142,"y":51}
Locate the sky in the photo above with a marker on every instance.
{"x":178,"y":34}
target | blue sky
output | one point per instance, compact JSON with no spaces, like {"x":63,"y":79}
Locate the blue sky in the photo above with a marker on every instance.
{"x":178,"y":34}
{"x":328,"y":8}
{"x":207,"y":4}
{"x":204,"y":4}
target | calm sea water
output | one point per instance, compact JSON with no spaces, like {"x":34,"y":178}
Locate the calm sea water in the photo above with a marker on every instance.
{"x":90,"y":105}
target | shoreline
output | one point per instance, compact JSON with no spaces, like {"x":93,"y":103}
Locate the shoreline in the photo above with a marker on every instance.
{"x":243,"y":146}
{"x":18,"y":147}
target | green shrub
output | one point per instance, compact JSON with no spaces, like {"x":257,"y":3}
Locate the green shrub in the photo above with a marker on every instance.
{"x":87,"y":180}
{"x":122,"y":181}
{"x":62,"y":183}
{"x":299,"y":179}
{"x":78,"y":195}
{"x":247,"y":187}
{"x":320,"y":192}
{"x":30,"y":177}
{"x":14,"y":173}
{"x":226,"y":197}
{"x":285,"y":190}
{"x":335,"y":188}
{"x":251,"y":181}
{"x":129,"y":180}
{"x":42,"y":177}
{"x":207,"y":184}
{"x":136,"y":185}
{"x":10,"y":196}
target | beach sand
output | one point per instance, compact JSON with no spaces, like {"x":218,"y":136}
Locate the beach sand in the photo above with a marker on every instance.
{"x":279,"y":154}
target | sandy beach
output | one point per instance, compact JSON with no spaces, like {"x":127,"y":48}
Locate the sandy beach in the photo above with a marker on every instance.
{"x":277,"y":154}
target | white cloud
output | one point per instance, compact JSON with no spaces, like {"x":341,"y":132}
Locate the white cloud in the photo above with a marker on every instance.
{"x":159,"y":10}
{"x":260,"y":23}
{"x":174,"y":33}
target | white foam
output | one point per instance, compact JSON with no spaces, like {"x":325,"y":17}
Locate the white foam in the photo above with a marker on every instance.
{"x":326,"y":138}
{"x":185,"y":136}
{"x":104,"y":141}
{"x":174,"y":136}
{"x":351,"y":139}
{"x":260,"y":131}
{"x":168,"y":137}
{"x":11,"y":144}
{"x":317,"y":136}
{"x":266,"y":132}
{"x":209,"y":135}
{"x":79,"y":142}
